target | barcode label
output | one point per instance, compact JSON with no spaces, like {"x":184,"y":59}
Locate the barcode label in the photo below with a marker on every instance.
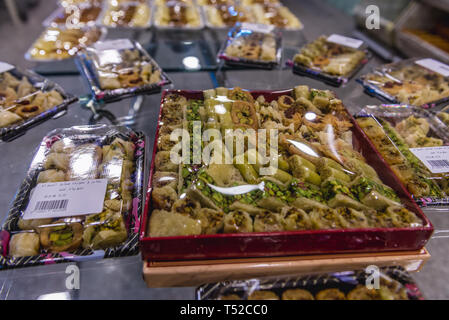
{"x":439,"y":163}
{"x":66,"y":199}
{"x":52,"y":205}
{"x":436,"y":159}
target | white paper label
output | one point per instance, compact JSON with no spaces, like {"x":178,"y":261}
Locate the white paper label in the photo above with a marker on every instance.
{"x":435,"y":66}
{"x":345,"y":41}
{"x":436,"y":159}
{"x":66,"y":199}
{"x":257,"y":27}
{"x":5,"y":67}
{"x":119,"y":44}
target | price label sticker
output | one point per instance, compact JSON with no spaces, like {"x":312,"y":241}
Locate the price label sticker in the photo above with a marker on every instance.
{"x":66,"y":199}
{"x":436,"y":159}
{"x":4,"y":67}
{"x":345,"y":41}
{"x":119,"y":44}
{"x":435,"y":66}
{"x":257,"y":27}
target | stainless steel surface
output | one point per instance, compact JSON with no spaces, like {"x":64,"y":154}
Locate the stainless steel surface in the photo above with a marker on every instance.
{"x":121,"y":278}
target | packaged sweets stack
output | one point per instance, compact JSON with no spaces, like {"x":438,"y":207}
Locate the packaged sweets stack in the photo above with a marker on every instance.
{"x":120,"y":68}
{"x":126,"y":14}
{"x":61,"y":43}
{"x":418,"y":82}
{"x":334,"y":59}
{"x":394,"y":284}
{"x":177,"y":15}
{"x":404,"y":135}
{"x":248,"y":45}
{"x":312,"y":176}
{"x":27,"y":99}
{"x":82,"y":196}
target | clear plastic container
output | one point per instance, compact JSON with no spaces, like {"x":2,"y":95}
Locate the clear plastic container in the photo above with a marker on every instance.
{"x":331,"y":62}
{"x":60,"y":44}
{"x":223,"y":16}
{"x":81,"y":15}
{"x":394,"y":284}
{"x":45,"y":229}
{"x":276,"y":15}
{"x":301,"y":171}
{"x":177,"y":16}
{"x":407,"y":82}
{"x":121,"y":68}
{"x":129,"y":14}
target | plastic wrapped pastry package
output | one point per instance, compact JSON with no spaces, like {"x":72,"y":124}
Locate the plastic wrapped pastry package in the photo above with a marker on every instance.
{"x":394,"y":284}
{"x":120,"y":68}
{"x":126,"y":14}
{"x":106,"y":161}
{"x":80,"y":15}
{"x":276,"y":15}
{"x":177,"y":15}
{"x":221,"y":16}
{"x":300,"y":169}
{"x":27,"y":99}
{"x":407,"y":82}
{"x":396,"y":131}
{"x":60,"y":44}
{"x":246,"y":46}
{"x":330,"y":62}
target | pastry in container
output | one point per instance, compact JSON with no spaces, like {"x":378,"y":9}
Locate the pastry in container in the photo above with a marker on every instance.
{"x":60,"y":44}
{"x":120,"y":68}
{"x":276,"y":15}
{"x":67,"y":3}
{"x":407,"y":82}
{"x":394,"y":284}
{"x":396,"y":131}
{"x":131,"y":14}
{"x":300,"y":169}
{"x":177,"y":15}
{"x":81,"y":15}
{"x":248,"y":46}
{"x":48,"y":229}
{"x":225,"y":16}
{"x":215,"y":2}
{"x":331,"y":62}
{"x":27,"y":99}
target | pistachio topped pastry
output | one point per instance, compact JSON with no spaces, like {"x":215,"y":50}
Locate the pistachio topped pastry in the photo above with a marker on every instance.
{"x":61,"y":236}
